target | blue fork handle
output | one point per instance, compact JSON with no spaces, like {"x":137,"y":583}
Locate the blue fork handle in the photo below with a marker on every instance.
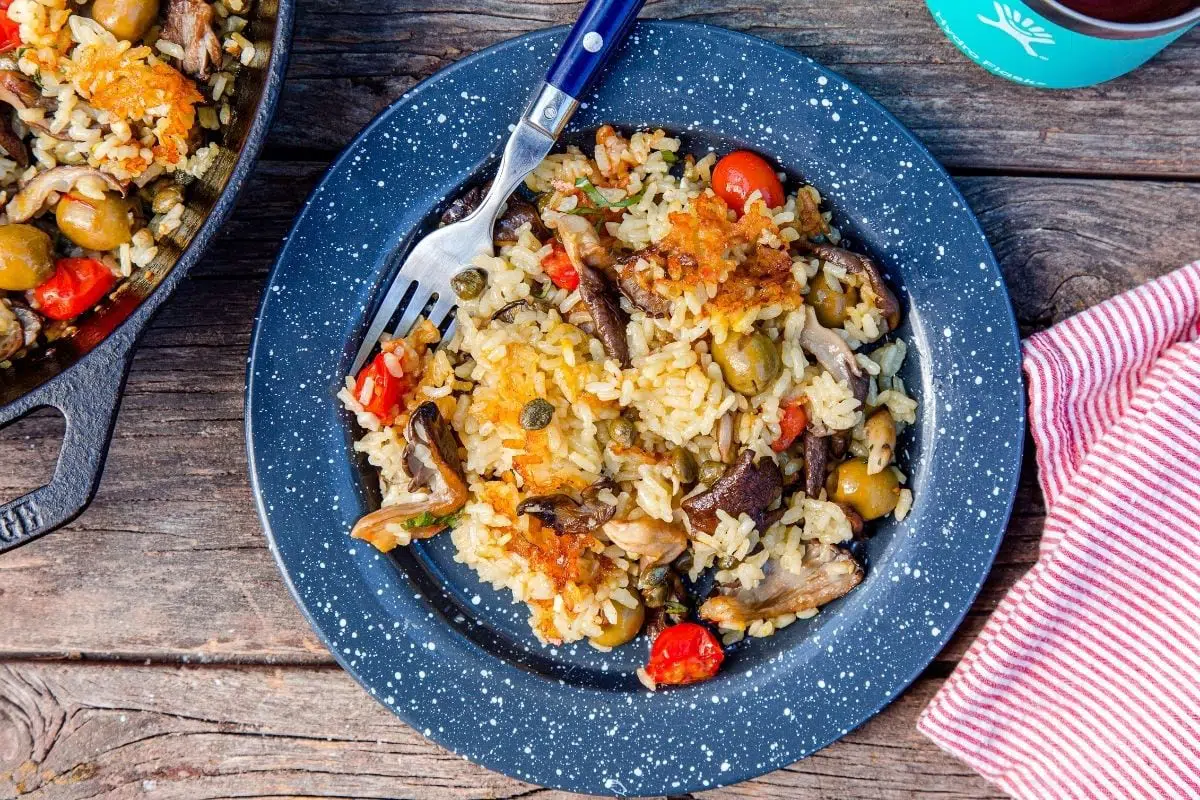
{"x":597,"y":34}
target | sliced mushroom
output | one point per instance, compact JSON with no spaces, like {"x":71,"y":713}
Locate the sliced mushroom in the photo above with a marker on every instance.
{"x":190,"y":25}
{"x":12,"y":143}
{"x":857,"y":264}
{"x":464,"y":205}
{"x":31,"y":200}
{"x":745,"y":488}
{"x":508,"y":312}
{"x":832,"y":353}
{"x":635,"y":284}
{"x":432,"y":462}
{"x":816,"y":456}
{"x":609,"y":319}
{"x":581,"y":242}
{"x":857,"y":523}
{"x":827,"y":573}
{"x":568,"y":516}
{"x":517,"y":212}
{"x":839,"y":443}
{"x":651,"y":540}
{"x":397,"y":525}
{"x":433,"y":465}
{"x":880,"y":430}
{"x":31,"y":323}
{"x":12,"y":333}
{"x":21,"y":93}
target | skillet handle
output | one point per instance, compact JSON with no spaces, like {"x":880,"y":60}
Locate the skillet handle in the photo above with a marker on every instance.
{"x":88,"y":395}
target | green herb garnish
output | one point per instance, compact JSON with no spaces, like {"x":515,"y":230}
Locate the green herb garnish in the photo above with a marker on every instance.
{"x":427,"y":519}
{"x":593,"y":194}
{"x":668,"y":156}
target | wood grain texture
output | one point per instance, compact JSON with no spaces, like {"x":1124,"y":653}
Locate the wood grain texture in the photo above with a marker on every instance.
{"x":170,"y":564}
{"x":77,"y":731}
{"x":358,"y":55}
{"x":149,"y":649}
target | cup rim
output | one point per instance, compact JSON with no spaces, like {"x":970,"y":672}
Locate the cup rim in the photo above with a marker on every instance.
{"x":1060,"y":14}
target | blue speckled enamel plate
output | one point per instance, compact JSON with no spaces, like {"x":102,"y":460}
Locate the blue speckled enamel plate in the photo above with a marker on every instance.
{"x":454,"y":658}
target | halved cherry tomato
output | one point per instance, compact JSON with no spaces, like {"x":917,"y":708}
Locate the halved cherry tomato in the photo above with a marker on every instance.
{"x":791,"y":424}
{"x":684,"y":653}
{"x":741,"y":174}
{"x":386,"y":392}
{"x":10,"y":32}
{"x":76,"y":285}
{"x":557,"y":266}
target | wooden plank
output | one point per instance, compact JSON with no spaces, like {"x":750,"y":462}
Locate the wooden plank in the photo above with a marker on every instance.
{"x":170,"y":564}
{"x":75,"y":731}
{"x":357,"y":56}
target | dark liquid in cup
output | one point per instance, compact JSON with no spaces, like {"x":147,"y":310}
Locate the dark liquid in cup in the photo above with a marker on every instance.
{"x":1132,"y":10}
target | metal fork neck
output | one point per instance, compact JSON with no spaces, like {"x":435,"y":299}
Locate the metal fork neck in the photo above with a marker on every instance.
{"x":550,"y":110}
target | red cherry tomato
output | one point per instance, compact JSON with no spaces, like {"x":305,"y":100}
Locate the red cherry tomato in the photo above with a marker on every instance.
{"x":684,"y":653}
{"x":741,"y":174}
{"x":557,"y":266}
{"x":76,"y":285}
{"x":10,"y":32}
{"x":386,"y":392}
{"x":791,"y":424}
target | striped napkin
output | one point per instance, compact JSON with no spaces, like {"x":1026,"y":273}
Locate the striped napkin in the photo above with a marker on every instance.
{"x":1085,"y":682}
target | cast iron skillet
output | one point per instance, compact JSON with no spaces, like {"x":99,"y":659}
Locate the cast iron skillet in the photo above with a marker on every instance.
{"x":83,"y":376}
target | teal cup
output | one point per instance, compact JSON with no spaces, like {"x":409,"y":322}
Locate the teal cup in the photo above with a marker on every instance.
{"x":1045,"y":44}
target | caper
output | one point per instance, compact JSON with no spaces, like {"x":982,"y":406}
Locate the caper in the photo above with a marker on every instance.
{"x":711,"y":472}
{"x":94,"y":224}
{"x":653,"y":585}
{"x":684,"y":466}
{"x":872,"y":496}
{"x":627,"y":625}
{"x":125,"y":19}
{"x":623,"y":431}
{"x":168,"y":195}
{"x":469,"y":283}
{"x":536,"y":414}
{"x":831,"y":305}
{"x":26,"y":257}
{"x":750,"y":363}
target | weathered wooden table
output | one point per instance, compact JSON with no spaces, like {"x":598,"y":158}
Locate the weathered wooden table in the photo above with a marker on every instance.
{"x":150,"y":648}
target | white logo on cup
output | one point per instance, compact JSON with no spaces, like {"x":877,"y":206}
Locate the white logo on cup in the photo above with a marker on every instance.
{"x":1023,"y":29}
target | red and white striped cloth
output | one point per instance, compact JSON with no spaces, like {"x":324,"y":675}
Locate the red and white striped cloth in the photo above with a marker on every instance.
{"x":1085,"y":682}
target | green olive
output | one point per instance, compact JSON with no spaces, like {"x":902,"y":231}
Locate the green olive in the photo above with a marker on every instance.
{"x":749,"y":363}
{"x":536,"y":414}
{"x":126,"y":19}
{"x":872,"y":496}
{"x":26,"y":257}
{"x":711,"y":472}
{"x":684,"y":465}
{"x":622,"y":431}
{"x":469,"y":283}
{"x":94,"y":224}
{"x":831,"y":305}
{"x":628,"y":625}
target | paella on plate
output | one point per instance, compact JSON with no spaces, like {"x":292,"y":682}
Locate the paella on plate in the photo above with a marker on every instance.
{"x":671,"y":369}
{"x":109,"y":110}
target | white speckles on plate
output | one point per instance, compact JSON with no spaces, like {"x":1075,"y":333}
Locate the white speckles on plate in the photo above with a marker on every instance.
{"x":455,"y":658}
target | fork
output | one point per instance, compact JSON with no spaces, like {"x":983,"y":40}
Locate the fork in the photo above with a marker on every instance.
{"x":423,"y":281}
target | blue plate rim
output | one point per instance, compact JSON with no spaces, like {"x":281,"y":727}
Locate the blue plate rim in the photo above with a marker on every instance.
{"x":1013,"y":346}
